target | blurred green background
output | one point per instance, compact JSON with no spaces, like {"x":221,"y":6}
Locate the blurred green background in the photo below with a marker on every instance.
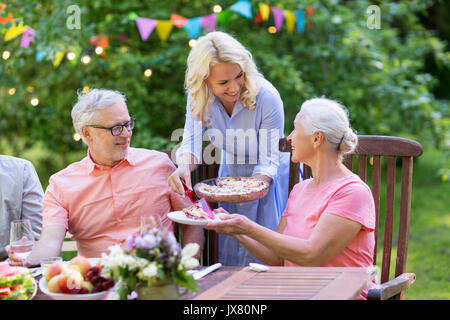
{"x":394,"y":81}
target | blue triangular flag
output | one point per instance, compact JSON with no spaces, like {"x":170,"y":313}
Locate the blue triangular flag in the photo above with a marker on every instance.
{"x":194,"y":27}
{"x":40,"y":55}
{"x":300,"y":17}
{"x":243,"y":7}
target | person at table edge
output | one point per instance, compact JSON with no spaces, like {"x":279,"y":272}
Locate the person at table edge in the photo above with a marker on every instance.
{"x":20,"y":197}
{"x":329,"y":219}
{"x":101,"y":198}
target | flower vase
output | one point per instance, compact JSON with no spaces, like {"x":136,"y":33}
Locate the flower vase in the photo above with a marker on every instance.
{"x":161,"y":290}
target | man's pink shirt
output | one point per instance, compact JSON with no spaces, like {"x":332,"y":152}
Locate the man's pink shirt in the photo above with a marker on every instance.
{"x":100,"y":206}
{"x":348,"y":197}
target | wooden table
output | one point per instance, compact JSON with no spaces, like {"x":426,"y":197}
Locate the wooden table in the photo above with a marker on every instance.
{"x":286,"y":283}
{"x":278,"y":283}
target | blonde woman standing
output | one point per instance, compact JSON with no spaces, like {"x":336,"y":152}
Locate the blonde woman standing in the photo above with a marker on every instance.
{"x":242,"y":113}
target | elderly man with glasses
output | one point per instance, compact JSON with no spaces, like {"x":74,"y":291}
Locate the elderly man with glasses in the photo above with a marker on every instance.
{"x":100,"y":200}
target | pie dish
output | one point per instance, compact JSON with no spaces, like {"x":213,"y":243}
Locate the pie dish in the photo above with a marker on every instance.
{"x":231,"y":189}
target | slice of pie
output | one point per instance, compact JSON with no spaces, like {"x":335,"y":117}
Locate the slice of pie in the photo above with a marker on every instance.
{"x":196,"y":212}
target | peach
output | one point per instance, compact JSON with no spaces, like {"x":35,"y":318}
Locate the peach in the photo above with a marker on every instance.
{"x":81,"y":263}
{"x":52,"y":285}
{"x":54,"y":269}
{"x":70,"y":281}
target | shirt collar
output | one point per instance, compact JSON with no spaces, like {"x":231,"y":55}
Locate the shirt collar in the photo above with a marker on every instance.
{"x":91,"y":165}
{"x":238,"y":106}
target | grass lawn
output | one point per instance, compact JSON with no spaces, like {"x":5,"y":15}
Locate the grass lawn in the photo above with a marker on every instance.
{"x":429,"y":235}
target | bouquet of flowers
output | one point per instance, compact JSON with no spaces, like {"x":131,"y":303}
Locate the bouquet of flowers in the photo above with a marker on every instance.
{"x":149,"y":259}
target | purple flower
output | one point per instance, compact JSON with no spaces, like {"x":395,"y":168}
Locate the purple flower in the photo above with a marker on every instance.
{"x":146,"y":241}
{"x":171,"y":240}
{"x":130,"y":242}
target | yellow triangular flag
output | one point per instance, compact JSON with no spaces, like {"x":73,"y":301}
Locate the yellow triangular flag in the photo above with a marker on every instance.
{"x":163,"y":29}
{"x":290,"y":20}
{"x":15,"y":31}
{"x":58,"y":58}
{"x":264,"y":9}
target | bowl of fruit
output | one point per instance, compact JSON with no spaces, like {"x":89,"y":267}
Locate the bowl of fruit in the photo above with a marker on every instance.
{"x":79,"y":279}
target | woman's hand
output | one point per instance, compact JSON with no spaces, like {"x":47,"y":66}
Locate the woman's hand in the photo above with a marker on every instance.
{"x":230,"y":224}
{"x":175,"y":179}
{"x":263,"y":177}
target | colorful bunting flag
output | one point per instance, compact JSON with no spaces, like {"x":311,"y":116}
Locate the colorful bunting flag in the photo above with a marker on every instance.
{"x":300,"y":16}
{"x":132,"y":16}
{"x":264,"y":10}
{"x":278,"y":17}
{"x":243,"y":7}
{"x":178,"y":21}
{"x":145,"y":27}
{"x":59,"y":55}
{"x":40,"y":55}
{"x":77,"y":51}
{"x":290,"y":21}
{"x":194,"y":26}
{"x":310,"y":13}
{"x":224,"y":17}
{"x":7,"y":19}
{"x":100,"y":40}
{"x":163,"y":29}
{"x":258,"y":18}
{"x":15,"y":31}
{"x":27,"y":37}
{"x":209,"y":22}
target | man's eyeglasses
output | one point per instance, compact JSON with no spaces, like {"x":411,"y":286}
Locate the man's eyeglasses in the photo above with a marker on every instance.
{"x":117,"y":129}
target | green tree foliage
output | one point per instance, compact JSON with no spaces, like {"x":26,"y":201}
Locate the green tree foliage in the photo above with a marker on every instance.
{"x":377,"y":73}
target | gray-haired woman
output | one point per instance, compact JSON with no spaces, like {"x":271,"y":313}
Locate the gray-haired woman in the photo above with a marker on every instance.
{"x":329,"y":219}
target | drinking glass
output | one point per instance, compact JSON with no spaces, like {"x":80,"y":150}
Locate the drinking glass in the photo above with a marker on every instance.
{"x":46,"y":262}
{"x":21,"y":239}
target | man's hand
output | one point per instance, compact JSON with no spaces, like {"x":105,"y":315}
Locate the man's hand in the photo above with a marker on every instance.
{"x":15,"y":260}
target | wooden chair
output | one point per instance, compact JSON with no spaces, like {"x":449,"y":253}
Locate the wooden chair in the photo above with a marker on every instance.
{"x":371,"y":149}
{"x":210,"y":254}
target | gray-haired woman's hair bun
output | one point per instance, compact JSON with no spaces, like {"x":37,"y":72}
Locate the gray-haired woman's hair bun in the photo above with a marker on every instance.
{"x":349,"y":141}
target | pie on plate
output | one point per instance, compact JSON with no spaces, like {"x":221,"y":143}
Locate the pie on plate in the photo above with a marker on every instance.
{"x":196,"y":212}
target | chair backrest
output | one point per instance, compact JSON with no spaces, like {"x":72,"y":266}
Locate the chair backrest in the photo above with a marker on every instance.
{"x":211,"y":248}
{"x":372,"y":149}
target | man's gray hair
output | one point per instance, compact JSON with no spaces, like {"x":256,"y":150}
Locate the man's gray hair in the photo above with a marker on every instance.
{"x":85,"y":110}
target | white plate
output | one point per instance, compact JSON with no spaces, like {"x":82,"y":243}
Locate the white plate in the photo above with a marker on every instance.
{"x":180,"y":217}
{"x":66,"y":296}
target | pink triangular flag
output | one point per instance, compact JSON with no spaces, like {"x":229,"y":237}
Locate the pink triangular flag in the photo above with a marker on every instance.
{"x":27,"y":37}
{"x":278,"y":17}
{"x":145,"y":27}
{"x":209,"y":22}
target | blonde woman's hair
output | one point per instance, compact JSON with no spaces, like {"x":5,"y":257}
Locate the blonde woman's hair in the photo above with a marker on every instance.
{"x":331,"y":118}
{"x":211,"y":49}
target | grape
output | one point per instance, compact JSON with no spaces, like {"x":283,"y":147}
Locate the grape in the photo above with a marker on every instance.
{"x":83,"y":291}
{"x":95,"y":279}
